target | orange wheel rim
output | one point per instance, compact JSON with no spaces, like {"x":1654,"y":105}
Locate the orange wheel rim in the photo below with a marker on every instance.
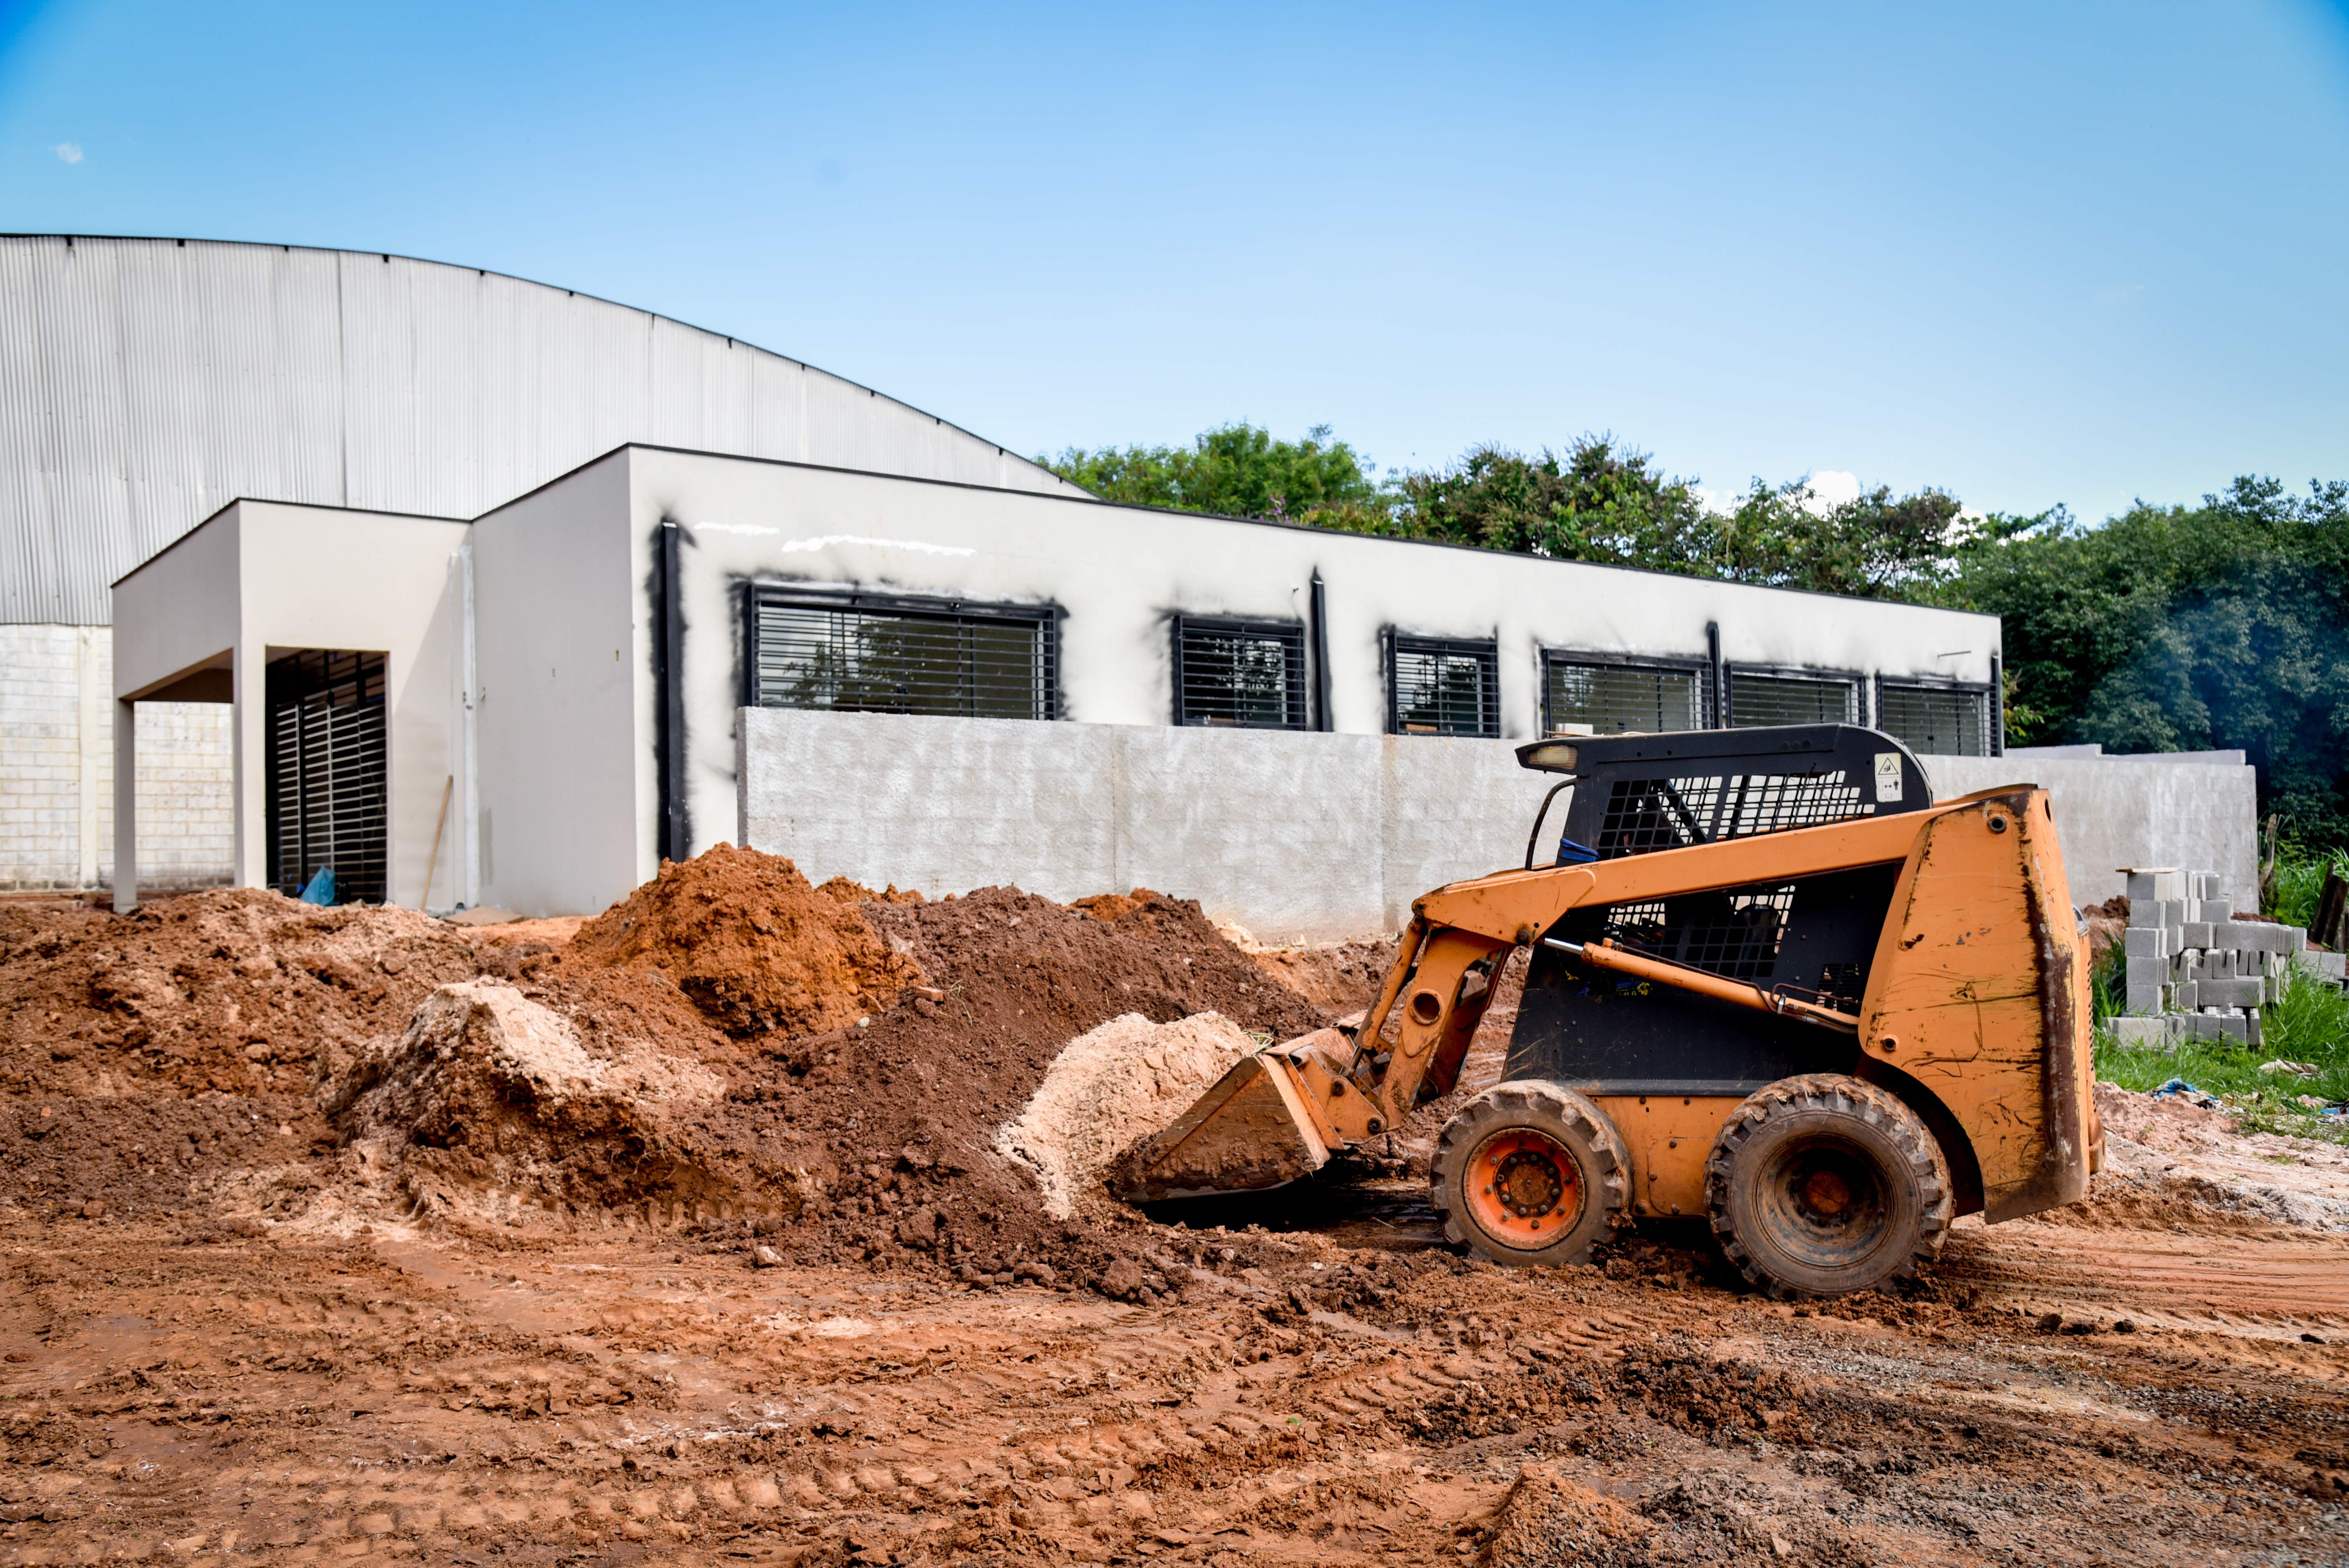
{"x":1525,"y":1189}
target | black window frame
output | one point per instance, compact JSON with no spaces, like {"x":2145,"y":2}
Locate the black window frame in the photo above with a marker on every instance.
{"x":1981,"y":689}
{"x":1396,"y":644}
{"x":1857,"y":681}
{"x":1045,"y":618}
{"x":1290,"y":634}
{"x":1697,"y":666}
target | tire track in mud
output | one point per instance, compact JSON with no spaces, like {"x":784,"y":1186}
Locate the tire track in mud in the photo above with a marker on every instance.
{"x":418,"y":1398}
{"x":2256,"y":1281}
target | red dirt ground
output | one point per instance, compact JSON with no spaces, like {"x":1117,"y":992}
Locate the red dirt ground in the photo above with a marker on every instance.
{"x":224,"y":1340}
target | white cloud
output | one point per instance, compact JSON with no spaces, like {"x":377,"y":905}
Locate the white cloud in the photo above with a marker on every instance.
{"x":1830,"y":489}
{"x":67,"y":151}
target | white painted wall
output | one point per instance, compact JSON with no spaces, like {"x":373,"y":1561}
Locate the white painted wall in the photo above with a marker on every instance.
{"x":563,"y":632}
{"x":262,"y":576}
{"x":1120,"y":572}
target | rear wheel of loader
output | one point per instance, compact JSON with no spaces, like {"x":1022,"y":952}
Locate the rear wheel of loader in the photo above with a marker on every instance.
{"x":1529,"y":1172}
{"x":1820,"y":1185}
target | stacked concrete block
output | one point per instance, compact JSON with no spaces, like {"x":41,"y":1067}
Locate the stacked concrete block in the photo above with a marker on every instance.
{"x":2194,"y":971}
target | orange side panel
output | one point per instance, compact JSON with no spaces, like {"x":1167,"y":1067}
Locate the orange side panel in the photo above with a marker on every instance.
{"x":1974,"y":993}
{"x":1668,"y":1137}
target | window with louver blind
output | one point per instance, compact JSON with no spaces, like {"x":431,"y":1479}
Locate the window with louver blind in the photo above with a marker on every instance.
{"x":1244,"y":675}
{"x":328,"y":772}
{"x":1756,"y":700}
{"x":1442,"y":687}
{"x":1940,"y":721}
{"x":944,"y":657}
{"x":1587,"y":696}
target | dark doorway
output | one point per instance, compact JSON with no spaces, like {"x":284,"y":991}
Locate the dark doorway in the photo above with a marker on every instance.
{"x":328,"y":772}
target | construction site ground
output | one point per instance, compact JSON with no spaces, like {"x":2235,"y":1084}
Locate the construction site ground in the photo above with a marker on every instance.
{"x":775,"y":1301}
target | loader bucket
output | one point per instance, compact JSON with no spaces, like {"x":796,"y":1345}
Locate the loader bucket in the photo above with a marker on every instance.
{"x":1252,"y":1129}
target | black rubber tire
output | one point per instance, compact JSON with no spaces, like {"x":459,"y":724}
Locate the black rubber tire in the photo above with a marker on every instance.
{"x":1569,"y":1120}
{"x":1822,"y":1185}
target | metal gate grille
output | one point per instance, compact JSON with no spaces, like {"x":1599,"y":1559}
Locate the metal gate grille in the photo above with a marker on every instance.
{"x":1938,"y":721}
{"x":1756,"y":700}
{"x":1244,"y":675}
{"x":327,"y":772}
{"x":957,"y":660}
{"x":1445,"y":687}
{"x":1614,"y":699}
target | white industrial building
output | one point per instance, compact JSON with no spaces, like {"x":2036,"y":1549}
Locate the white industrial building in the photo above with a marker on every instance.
{"x":481,"y":591}
{"x":145,"y":383}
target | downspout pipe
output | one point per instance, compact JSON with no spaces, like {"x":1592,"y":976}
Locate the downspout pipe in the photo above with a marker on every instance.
{"x":675,"y":837}
{"x":1715,"y":700}
{"x":1318,"y":612}
{"x":468,"y":677}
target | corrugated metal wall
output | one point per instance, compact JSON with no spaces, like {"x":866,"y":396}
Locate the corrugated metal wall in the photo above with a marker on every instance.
{"x":146,"y":383}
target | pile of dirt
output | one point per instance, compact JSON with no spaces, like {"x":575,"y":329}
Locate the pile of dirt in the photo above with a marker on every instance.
{"x":231,"y":991}
{"x":1110,"y":1088}
{"x":900,"y":1118}
{"x":2104,"y":922}
{"x":728,"y":1033}
{"x":1546,"y":1519}
{"x":756,"y":946}
{"x":1339,"y":977}
{"x":490,"y":1089}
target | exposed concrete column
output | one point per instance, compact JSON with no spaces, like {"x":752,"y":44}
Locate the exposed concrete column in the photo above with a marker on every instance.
{"x":250,"y":726}
{"x":93,"y":683}
{"x":126,"y":806}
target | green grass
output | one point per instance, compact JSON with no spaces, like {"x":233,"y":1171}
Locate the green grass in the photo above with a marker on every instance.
{"x":2299,"y":878}
{"x":2309,"y":1024}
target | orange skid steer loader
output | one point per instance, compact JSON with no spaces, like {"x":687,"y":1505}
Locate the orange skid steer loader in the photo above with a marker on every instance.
{"x":1774,"y":982}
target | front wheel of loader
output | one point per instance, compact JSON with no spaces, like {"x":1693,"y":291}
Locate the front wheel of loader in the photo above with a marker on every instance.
{"x":1529,"y":1172}
{"x":1821,"y":1185}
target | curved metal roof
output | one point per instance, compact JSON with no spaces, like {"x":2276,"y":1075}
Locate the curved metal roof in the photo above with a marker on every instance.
{"x":144,"y":384}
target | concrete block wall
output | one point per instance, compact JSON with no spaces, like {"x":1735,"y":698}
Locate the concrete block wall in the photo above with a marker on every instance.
{"x":1294,"y":835}
{"x":56,"y":771}
{"x":1291,"y":835}
{"x":2115,"y":811}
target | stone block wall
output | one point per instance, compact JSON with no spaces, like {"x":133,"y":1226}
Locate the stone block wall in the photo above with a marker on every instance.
{"x":56,"y":771}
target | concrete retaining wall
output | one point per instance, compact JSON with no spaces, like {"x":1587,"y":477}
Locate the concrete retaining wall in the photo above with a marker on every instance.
{"x":1293,"y":835}
{"x":2146,"y":812}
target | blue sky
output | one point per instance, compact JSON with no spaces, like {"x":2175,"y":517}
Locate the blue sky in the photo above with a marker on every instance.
{"x":2032,"y":254}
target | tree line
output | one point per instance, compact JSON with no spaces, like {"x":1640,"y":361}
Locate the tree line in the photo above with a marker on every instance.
{"x":2222,"y":623}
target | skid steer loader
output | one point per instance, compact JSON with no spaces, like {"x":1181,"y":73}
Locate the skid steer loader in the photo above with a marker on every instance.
{"x":1773,"y":983}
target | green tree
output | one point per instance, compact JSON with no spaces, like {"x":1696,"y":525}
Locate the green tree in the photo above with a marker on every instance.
{"x":2222,"y":626}
{"x":1238,"y":469}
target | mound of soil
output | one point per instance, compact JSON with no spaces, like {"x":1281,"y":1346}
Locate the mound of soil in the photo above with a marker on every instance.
{"x":756,"y":946}
{"x":237,"y":1054}
{"x":231,"y":991}
{"x":1339,"y":977}
{"x":488,"y":1086}
{"x":1546,"y":1518}
{"x":906,"y":1111}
